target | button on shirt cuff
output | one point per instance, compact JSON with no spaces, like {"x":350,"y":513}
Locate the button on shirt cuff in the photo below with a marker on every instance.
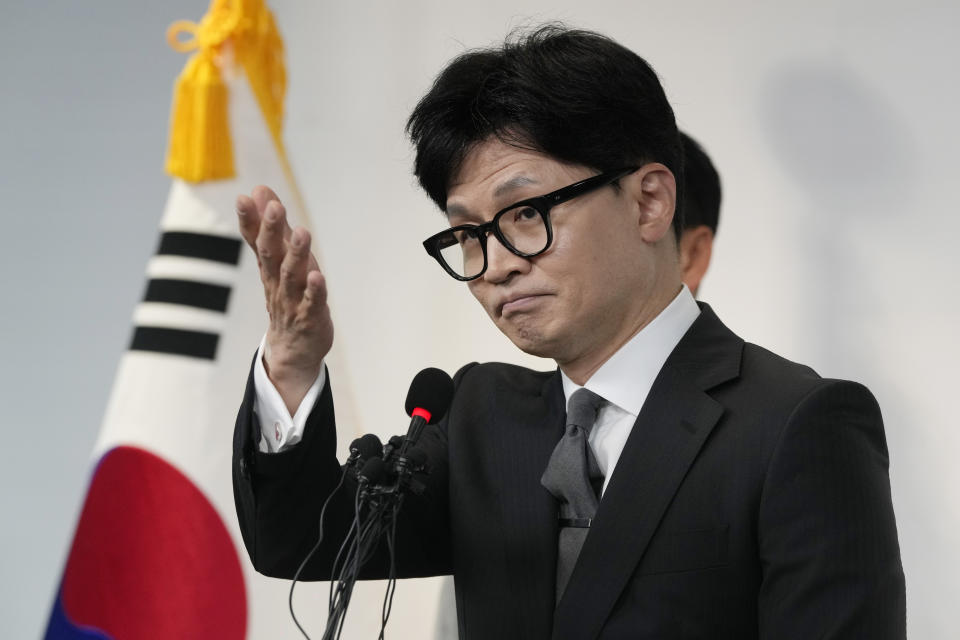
{"x":278,"y":430}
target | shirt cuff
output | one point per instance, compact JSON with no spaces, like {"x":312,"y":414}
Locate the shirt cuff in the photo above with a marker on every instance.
{"x":278,"y":430}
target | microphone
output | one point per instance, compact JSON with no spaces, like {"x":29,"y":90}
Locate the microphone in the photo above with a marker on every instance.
{"x":386,"y":475}
{"x":364,"y":447}
{"x":428,"y":399}
{"x":371,"y":472}
{"x":393,"y":445}
{"x":363,"y":451}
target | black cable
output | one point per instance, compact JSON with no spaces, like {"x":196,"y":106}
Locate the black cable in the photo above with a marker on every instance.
{"x":368,"y":542}
{"x":296,"y":576}
{"x":361,"y":550}
{"x":347,"y":541}
{"x":339,"y":597}
{"x":392,"y":576}
{"x":358,"y":552}
{"x":376,"y":514}
{"x":363,"y":547}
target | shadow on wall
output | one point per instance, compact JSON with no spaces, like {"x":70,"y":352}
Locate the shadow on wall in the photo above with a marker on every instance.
{"x":850,"y":154}
{"x":839,"y":139}
{"x":866,"y":294}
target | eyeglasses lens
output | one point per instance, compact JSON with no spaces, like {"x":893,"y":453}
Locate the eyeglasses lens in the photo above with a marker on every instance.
{"x":523,"y":227}
{"x":461,"y":251}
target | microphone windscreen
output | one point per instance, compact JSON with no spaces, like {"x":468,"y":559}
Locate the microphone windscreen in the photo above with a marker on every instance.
{"x":368,"y":446}
{"x":431,"y":389}
{"x":372,"y":470}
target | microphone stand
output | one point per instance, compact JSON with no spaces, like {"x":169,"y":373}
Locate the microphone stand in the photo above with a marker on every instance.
{"x":383,"y":484}
{"x":386,"y":477}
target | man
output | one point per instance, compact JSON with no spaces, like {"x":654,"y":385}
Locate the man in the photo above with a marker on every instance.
{"x":699,"y":487}
{"x":701,"y":215}
{"x":701,"y":212}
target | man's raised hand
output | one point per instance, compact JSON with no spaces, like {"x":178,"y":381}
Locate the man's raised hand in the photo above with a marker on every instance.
{"x":300,"y":332}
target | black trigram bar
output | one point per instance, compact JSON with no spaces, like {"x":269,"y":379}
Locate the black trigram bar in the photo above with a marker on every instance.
{"x":200,"y":245}
{"x":188,"y":292}
{"x":194,"y":344}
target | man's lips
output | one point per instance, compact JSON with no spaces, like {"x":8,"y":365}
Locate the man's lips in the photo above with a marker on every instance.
{"x":520,"y":302}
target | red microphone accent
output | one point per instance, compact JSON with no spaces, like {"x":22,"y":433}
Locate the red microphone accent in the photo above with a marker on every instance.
{"x":423,"y":413}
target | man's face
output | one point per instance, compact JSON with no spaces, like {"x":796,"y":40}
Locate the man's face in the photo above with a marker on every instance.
{"x":598,"y":283}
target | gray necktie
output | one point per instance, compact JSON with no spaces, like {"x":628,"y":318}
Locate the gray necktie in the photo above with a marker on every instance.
{"x":573,"y":477}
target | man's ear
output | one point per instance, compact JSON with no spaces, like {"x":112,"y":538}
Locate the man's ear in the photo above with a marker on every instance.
{"x":696,"y":246}
{"x":654,"y":189}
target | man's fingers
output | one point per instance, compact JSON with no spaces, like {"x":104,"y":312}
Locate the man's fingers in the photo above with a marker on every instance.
{"x":270,"y":241}
{"x":261,"y":196}
{"x":315,"y":294}
{"x":293,"y":269}
{"x":294,"y":287}
{"x":248,"y":218}
{"x":314,"y":308}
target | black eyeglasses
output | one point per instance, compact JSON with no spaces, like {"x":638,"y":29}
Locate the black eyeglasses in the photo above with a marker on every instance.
{"x":523,"y":228}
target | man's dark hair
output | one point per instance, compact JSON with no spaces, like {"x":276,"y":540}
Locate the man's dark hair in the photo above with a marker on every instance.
{"x":575,"y":95}
{"x":701,"y":193}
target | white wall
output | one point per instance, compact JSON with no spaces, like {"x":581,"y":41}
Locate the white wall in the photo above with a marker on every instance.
{"x":832,"y":123}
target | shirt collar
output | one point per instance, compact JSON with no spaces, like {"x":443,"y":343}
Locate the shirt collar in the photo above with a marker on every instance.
{"x":626,"y":377}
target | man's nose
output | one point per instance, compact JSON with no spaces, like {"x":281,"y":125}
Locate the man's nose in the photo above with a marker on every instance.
{"x":501,"y":262}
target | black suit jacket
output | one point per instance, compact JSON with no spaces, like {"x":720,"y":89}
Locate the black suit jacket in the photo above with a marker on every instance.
{"x":751,"y":500}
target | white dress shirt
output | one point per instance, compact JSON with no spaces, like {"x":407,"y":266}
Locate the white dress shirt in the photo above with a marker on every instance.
{"x":278,"y":429}
{"x":623,"y":381}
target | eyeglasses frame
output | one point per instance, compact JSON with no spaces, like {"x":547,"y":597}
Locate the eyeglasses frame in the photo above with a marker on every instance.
{"x":542,"y":204}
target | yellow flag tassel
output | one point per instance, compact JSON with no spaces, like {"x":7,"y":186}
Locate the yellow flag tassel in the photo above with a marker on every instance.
{"x":200,"y":147}
{"x":240,"y":31}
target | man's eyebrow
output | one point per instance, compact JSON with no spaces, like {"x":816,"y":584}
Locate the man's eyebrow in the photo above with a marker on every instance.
{"x":513,"y":183}
{"x":456,"y":210}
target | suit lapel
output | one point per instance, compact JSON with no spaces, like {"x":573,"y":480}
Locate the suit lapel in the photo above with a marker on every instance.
{"x":529,"y":430}
{"x":673,"y":425}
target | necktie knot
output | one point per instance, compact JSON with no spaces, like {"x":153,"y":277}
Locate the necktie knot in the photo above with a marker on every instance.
{"x":582,"y":409}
